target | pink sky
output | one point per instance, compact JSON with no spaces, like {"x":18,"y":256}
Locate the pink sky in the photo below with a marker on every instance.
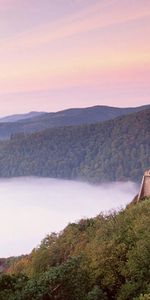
{"x":62,"y":53}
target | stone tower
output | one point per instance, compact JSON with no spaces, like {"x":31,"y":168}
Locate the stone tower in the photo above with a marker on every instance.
{"x":145,"y":186}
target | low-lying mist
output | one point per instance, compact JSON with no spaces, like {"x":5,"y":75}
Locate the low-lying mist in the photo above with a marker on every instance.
{"x":30,"y":208}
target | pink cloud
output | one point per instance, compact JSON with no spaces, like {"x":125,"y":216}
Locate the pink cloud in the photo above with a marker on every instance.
{"x":83,"y":49}
{"x":100,"y":15}
{"x":7,"y":4}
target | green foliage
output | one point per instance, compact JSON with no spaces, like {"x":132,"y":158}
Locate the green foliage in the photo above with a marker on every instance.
{"x":68,"y":282}
{"x":113,"y":150}
{"x":11,"y":286}
{"x":96,"y":294}
{"x":107,"y":257}
{"x":143,"y":297}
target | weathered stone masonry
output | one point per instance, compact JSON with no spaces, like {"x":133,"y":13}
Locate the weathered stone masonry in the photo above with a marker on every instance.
{"x":145,"y":186}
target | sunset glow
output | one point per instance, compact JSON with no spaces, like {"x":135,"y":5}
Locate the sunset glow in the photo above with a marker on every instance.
{"x":59,"y":54}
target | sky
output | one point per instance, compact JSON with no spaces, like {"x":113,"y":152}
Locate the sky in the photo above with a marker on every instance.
{"x":73,"y":53}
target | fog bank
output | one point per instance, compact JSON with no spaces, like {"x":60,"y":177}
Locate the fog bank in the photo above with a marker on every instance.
{"x":30,"y":208}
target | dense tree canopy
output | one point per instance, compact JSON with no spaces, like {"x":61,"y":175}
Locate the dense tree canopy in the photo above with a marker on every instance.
{"x":35,"y":122}
{"x":107,"y":151}
{"x":107,"y":257}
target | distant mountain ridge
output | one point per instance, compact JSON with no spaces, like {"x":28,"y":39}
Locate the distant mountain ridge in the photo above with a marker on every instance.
{"x":37,"y":121}
{"x":113,"y":150}
{"x":19,"y":117}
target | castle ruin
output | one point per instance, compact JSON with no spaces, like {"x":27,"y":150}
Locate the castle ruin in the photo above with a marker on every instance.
{"x":145,"y":186}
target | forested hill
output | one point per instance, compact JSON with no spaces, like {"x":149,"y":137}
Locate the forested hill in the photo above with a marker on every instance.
{"x":102,"y":258}
{"x":113,"y":150}
{"x":68,"y":117}
{"x":20,"y":117}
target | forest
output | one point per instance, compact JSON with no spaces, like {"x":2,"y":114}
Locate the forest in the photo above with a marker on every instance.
{"x":37,"y":121}
{"x":114,"y":150}
{"x":101,"y":258}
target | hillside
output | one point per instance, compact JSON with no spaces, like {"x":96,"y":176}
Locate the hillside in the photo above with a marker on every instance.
{"x":19,"y":117}
{"x":76,"y":116}
{"x":108,"y":151}
{"x":102,"y":258}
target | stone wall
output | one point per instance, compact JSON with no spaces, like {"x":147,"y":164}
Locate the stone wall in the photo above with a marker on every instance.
{"x":145,"y":186}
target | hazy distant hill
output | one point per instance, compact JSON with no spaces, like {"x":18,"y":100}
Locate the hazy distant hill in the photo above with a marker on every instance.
{"x":63,"y":118}
{"x":117,"y":149}
{"x":19,"y":117}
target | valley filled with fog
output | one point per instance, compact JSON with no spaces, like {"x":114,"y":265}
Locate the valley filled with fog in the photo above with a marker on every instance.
{"x":30,"y":208}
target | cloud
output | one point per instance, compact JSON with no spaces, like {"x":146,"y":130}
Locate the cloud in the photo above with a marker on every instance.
{"x":30,"y":208}
{"x":99,"y":15}
{"x":37,"y":57}
{"x":99,"y":44}
{"x":7,"y":4}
